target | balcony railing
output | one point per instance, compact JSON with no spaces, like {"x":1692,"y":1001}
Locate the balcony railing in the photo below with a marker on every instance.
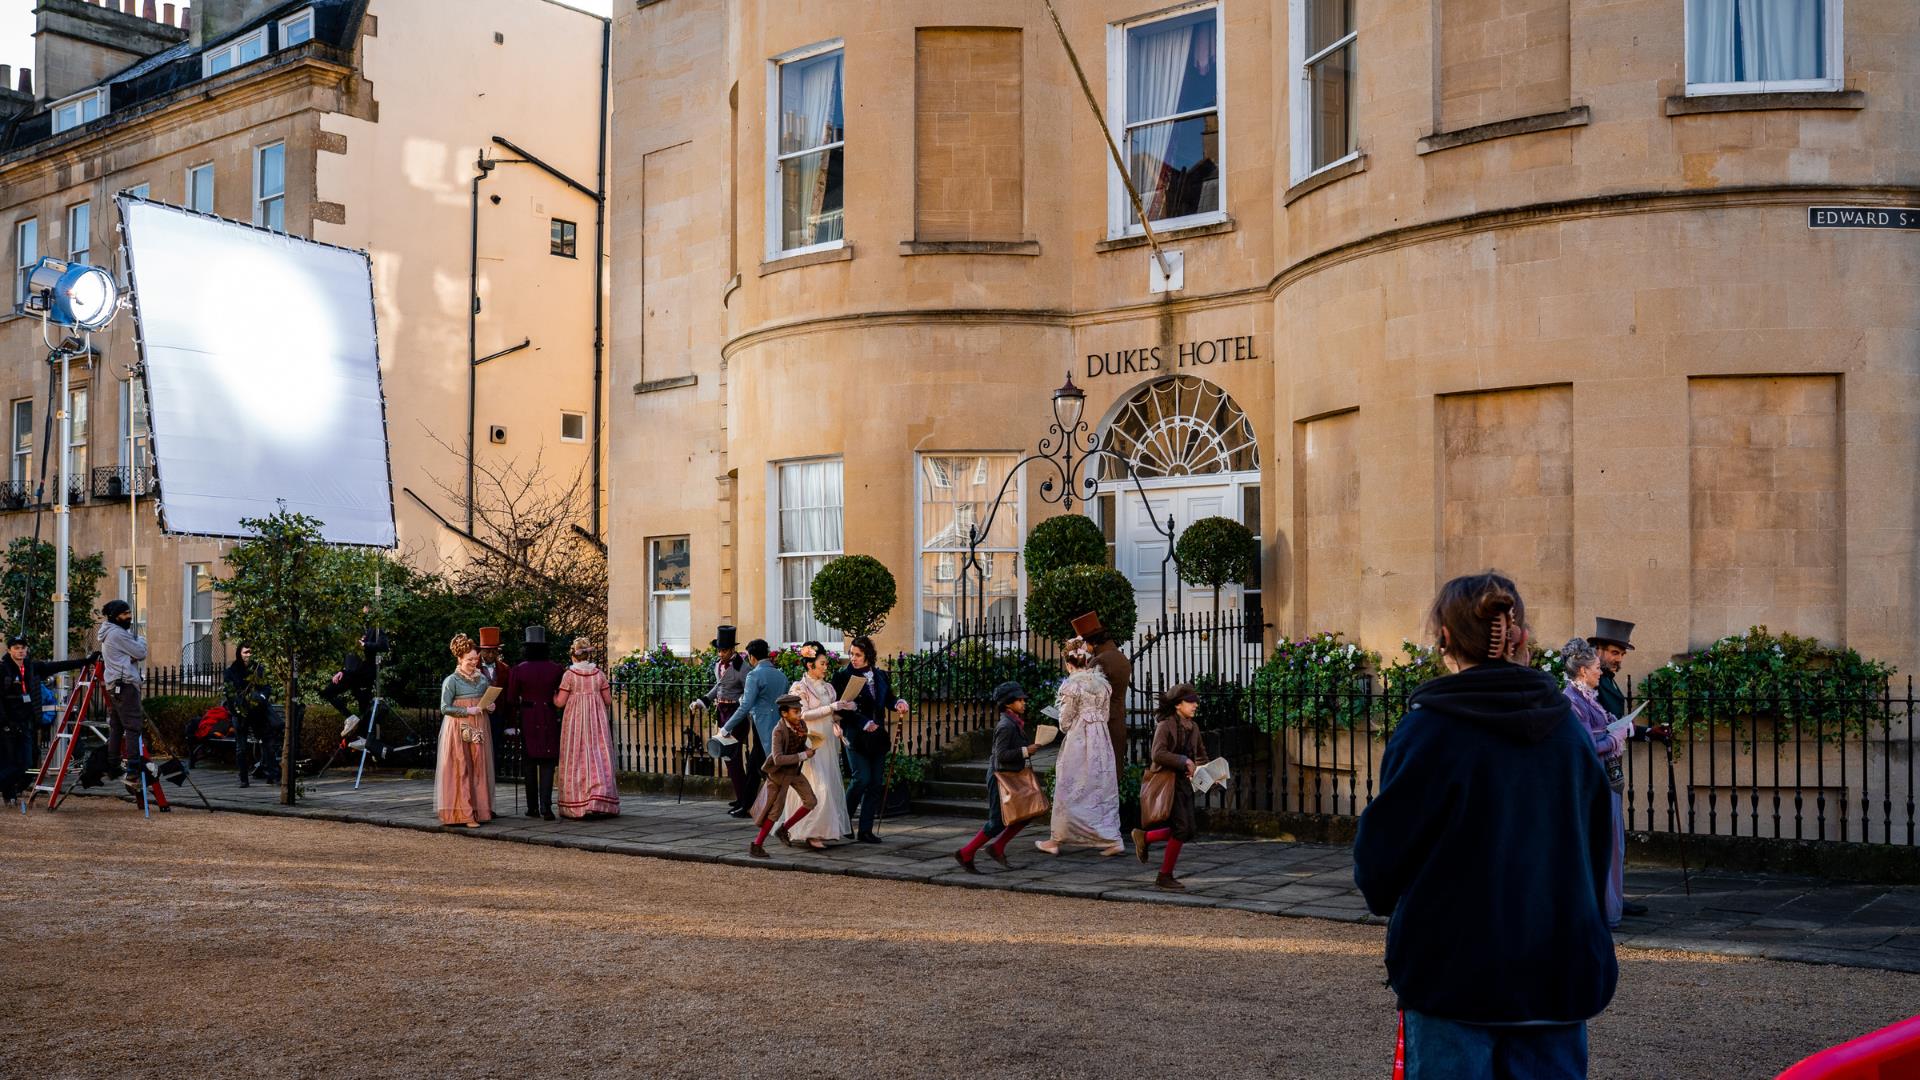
{"x":16,"y":495}
{"x":119,"y":481}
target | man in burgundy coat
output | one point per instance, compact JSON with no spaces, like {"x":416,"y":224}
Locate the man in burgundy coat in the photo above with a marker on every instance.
{"x":535,"y":680}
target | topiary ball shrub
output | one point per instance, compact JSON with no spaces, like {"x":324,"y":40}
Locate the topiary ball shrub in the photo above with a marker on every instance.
{"x":853,"y":594}
{"x":1215,"y":552}
{"x":1065,"y":540}
{"x":1064,"y":594}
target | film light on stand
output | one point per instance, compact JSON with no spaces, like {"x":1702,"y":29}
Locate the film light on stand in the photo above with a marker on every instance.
{"x":72,"y":294}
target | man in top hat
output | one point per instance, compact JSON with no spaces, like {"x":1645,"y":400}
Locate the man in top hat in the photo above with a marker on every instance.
{"x":500,"y":674}
{"x":536,"y":678}
{"x":729,"y":682}
{"x":1613,"y":640}
{"x":1119,"y":672}
{"x":20,"y":683}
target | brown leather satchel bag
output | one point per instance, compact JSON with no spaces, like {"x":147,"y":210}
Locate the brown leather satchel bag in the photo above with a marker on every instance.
{"x":1020,"y":796}
{"x":1156,"y":795}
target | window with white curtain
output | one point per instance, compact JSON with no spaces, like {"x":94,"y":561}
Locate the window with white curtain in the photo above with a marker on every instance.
{"x":1761,"y":46}
{"x":270,"y":187}
{"x":26,"y":252}
{"x":1322,"y":45}
{"x":805,"y":197}
{"x":809,"y":524}
{"x":956,"y":495}
{"x":670,"y":592}
{"x":80,"y":233}
{"x":1168,"y":91}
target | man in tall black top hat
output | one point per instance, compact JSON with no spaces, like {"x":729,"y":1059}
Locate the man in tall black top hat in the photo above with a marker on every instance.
{"x":1613,"y":640}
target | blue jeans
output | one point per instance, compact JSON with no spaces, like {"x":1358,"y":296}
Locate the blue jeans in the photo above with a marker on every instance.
{"x":869,"y":788}
{"x":1449,"y":1050}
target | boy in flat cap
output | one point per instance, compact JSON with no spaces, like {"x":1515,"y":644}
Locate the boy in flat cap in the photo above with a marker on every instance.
{"x":783,"y":775}
{"x":1010,"y":753}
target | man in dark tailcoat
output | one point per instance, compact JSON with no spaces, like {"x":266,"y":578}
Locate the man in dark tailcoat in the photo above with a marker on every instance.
{"x":500,"y":674}
{"x":1613,"y":640}
{"x":535,"y":680}
{"x":868,"y":740}
{"x":1113,"y":663}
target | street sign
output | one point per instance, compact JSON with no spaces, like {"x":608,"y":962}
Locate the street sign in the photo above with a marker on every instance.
{"x":1863,"y":217}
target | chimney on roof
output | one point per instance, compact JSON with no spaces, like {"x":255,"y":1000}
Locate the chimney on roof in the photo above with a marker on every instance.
{"x":76,"y":43}
{"x":147,"y":12}
{"x":166,"y":14}
{"x":26,"y":81}
{"x":186,"y":17}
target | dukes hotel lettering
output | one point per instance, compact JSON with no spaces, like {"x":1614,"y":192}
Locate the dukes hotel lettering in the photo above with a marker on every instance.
{"x":1156,"y":358}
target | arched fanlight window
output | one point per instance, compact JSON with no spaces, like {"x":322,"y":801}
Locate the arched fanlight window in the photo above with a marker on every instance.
{"x":1181,"y":426}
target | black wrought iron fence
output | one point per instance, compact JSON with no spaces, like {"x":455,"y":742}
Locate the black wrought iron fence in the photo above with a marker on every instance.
{"x":1802,"y":760}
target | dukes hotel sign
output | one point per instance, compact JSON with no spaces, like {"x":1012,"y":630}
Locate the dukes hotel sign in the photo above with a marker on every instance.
{"x":1153,"y":359}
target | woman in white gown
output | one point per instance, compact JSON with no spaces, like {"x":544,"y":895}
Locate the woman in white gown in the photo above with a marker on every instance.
{"x":819,"y":708}
{"x":1086,"y":805}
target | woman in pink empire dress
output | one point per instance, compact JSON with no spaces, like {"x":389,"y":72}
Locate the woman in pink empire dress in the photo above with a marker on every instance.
{"x":583,"y":784}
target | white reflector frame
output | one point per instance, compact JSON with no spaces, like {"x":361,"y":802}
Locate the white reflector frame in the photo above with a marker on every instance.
{"x":262,"y":376}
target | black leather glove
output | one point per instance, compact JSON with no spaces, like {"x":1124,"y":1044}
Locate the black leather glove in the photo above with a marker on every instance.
{"x":93,"y":657}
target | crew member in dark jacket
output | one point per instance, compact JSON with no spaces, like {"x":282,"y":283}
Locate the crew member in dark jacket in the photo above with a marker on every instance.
{"x":1010,"y":753}
{"x":253,"y":729}
{"x":20,"y":683}
{"x":867,"y":738}
{"x":536,"y":679}
{"x":1488,"y":845}
{"x":350,"y":691}
{"x":1178,"y":748}
{"x":788,"y":752}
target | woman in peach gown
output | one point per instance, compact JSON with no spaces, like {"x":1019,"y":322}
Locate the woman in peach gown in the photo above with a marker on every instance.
{"x":463,"y":775}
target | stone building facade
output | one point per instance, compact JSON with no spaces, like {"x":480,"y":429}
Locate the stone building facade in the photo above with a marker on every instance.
{"x":1462,"y":283}
{"x":357,"y":123}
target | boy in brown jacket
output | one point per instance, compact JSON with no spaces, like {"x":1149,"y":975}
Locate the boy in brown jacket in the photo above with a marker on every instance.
{"x":783,"y":774}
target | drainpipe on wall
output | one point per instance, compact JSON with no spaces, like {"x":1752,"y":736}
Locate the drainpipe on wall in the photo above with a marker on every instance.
{"x":600,"y":270}
{"x":483,"y":168}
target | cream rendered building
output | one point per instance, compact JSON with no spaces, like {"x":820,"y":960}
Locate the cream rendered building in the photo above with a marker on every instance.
{"x":1516,"y":283}
{"x":354,"y":122}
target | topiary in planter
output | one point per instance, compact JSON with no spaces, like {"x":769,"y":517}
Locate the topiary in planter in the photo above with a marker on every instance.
{"x":1215,"y":552}
{"x":1061,"y":595}
{"x":1065,"y":540}
{"x":853,"y":594}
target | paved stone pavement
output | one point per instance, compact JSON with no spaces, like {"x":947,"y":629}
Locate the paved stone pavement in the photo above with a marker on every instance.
{"x":1775,"y":918}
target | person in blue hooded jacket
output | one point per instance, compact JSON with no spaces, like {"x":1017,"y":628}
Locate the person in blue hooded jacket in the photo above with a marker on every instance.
{"x":1488,"y":845}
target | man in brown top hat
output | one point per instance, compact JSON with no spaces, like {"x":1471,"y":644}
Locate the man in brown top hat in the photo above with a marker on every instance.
{"x":501,"y":675}
{"x":1119,"y":672}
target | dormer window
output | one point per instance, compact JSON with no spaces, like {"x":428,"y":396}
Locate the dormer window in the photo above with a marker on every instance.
{"x":85,"y":106}
{"x":296,"y":29}
{"x":241,"y":50}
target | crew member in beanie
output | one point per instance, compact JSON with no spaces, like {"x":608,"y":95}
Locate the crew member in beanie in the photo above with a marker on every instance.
{"x":20,"y":683}
{"x":350,"y":691}
{"x":789,"y":751}
{"x":536,"y":679}
{"x":1010,"y":753}
{"x":124,"y":651}
{"x":1177,"y":748}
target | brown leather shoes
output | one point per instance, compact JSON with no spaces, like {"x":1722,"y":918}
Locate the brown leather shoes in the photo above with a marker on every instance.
{"x":965,"y":863}
{"x":1170,"y":883}
{"x":756,"y":851}
{"x":1140,"y":844}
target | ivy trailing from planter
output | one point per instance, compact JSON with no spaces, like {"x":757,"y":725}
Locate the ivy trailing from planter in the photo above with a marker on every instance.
{"x":1799,"y":686}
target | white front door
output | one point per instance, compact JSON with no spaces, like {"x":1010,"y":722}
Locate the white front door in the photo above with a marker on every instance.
{"x":1141,"y":548}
